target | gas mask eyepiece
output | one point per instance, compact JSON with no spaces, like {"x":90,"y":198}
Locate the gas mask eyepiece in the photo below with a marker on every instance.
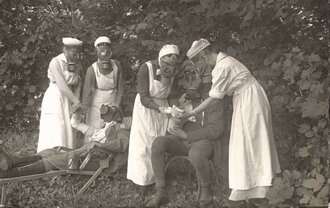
{"x":73,"y":58}
{"x":104,"y":54}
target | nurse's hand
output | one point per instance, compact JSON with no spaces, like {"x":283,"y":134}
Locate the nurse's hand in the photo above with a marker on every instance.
{"x":165,"y":111}
{"x":186,"y":115}
{"x":75,"y":107}
{"x":179,"y":133}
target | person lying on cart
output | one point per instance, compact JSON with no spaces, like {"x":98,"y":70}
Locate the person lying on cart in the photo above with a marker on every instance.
{"x":112,"y":139}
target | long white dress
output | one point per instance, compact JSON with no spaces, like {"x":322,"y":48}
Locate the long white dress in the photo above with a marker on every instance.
{"x":147,"y":124}
{"x":105,"y":93}
{"x":55,"y":128}
{"x":253,"y":160}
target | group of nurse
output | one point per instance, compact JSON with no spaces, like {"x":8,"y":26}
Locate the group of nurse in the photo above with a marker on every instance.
{"x":253,"y":160}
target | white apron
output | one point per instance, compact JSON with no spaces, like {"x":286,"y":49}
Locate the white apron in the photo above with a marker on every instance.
{"x":55,"y":127}
{"x":105,"y":93}
{"x":147,"y":124}
{"x":253,"y":160}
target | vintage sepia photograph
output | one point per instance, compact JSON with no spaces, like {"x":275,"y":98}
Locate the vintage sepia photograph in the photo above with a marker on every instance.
{"x":164,"y":103}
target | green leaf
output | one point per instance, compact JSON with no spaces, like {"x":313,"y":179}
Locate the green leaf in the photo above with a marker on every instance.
{"x":275,"y":65}
{"x":31,"y":101}
{"x":317,"y":74}
{"x":303,"y":152}
{"x":317,"y":89}
{"x":296,"y":174}
{"x":324,"y":193}
{"x":286,"y":193}
{"x":290,"y":71}
{"x":313,"y":58}
{"x":317,"y":202}
{"x":141,"y":26}
{"x":278,"y":183}
{"x":303,"y":128}
{"x":320,"y":178}
{"x":309,"y":134}
{"x":304,"y":84}
{"x":309,"y":183}
{"x":305,"y":74}
{"x":9,"y":107}
{"x":301,"y":191}
{"x":207,"y":4}
{"x":188,"y":1}
{"x":287,"y":178}
{"x":32,"y":89}
{"x":322,"y":123}
{"x":305,"y":200}
{"x":295,"y":49}
{"x":313,"y":109}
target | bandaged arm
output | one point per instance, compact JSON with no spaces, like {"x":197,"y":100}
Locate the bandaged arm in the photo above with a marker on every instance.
{"x":87,"y":130}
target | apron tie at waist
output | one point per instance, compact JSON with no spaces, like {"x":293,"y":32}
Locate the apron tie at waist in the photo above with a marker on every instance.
{"x":246,"y":84}
{"x":161,"y":99}
{"x":111,"y":89}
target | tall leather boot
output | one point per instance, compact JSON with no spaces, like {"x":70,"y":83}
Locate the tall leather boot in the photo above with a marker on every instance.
{"x":6,"y":161}
{"x":160,"y":198}
{"x":206,"y":196}
{"x":30,"y":169}
{"x":21,"y":160}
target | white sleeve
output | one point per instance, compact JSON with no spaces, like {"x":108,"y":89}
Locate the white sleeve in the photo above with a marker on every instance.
{"x":221,"y":79}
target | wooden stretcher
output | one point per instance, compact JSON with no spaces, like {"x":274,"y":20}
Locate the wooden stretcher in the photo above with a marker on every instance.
{"x":94,"y":174}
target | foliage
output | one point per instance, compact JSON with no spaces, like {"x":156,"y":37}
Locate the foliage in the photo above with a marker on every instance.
{"x":283,"y":43}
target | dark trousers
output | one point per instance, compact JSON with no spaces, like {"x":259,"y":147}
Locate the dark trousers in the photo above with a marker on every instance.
{"x":199,"y":153}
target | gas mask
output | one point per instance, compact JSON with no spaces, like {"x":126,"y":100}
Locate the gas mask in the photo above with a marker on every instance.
{"x":168,"y":71}
{"x":73,"y":58}
{"x":111,"y":113}
{"x":168,"y":66}
{"x":104,"y":54}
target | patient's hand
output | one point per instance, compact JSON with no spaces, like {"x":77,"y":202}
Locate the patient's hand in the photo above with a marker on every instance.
{"x":75,"y":120}
{"x":179,"y":133}
{"x":92,"y":145}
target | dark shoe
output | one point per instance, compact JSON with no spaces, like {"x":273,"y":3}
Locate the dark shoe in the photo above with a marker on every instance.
{"x":5,"y":160}
{"x":3,"y":174}
{"x":142,"y":191}
{"x":240,"y":204}
{"x":159,"y":198}
{"x":260,"y":203}
{"x":206,"y":197}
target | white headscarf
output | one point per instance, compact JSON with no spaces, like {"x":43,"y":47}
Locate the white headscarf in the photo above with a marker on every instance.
{"x":168,"y":49}
{"x":197,"y":46}
{"x":71,"y":42}
{"x":102,"y":39}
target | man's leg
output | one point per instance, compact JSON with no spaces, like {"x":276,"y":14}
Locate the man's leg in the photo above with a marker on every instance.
{"x":30,"y":169}
{"x":161,"y":145}
{"x":199,"y":154}
{"x":170,"y":144}
{"x":8,"y":161}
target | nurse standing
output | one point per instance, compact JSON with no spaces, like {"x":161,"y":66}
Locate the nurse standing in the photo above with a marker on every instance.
{"x":103,"y":83}
{"x":154,"y":81}
{"x":253,"y":161}
{"x":63,"y":91}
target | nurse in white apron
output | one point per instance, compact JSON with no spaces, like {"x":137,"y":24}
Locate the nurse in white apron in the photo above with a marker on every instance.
{"x":253,"y":160}
{"x":63,"y":91}
{"x":103,"y":83}
{"x":154,"y":81}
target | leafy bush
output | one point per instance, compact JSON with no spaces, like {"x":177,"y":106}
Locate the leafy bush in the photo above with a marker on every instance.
{"x":283,"y":43}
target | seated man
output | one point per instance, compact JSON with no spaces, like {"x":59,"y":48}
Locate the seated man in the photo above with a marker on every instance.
{"x":113,"y":138}
{"x":197,"y":140}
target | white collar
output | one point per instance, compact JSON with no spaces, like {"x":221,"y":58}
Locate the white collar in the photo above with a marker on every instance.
{"x":221,"y":56}
{"x":62,"y":57}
